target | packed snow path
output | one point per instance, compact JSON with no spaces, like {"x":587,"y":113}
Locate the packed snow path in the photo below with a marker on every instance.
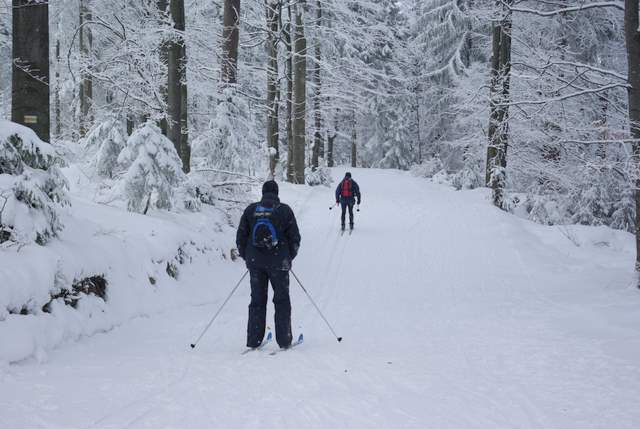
{"x":454,"y":315}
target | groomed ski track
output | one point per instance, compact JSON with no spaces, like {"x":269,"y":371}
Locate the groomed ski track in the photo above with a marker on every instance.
{"x":454,"y":315}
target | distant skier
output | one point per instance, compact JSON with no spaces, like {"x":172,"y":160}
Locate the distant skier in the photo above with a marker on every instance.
{"x":268,"y":240}
{"x":346,"y":194}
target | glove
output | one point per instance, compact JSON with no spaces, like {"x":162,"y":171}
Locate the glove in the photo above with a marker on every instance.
{"x":358,"y":202}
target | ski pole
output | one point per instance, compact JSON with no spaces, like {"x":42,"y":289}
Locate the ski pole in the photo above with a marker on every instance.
{"x":193,"y":345}
{"x":331,"y":207}
{"x":316,"y":306}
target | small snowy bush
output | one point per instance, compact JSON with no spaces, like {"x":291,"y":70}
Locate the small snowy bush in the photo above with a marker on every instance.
{"x":103,"y":145}
{"x":624,"y":212}
{"x":153,"y":170}
{"x":187,"y":195}
{"x":322,"y":176}
{"x":544,"y":209}
{"x":32,"y":189}
{"x":471,"y":176}
{"x":427,"y":168}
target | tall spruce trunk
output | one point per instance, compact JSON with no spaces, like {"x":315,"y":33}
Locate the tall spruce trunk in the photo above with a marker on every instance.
{"x":299,"y":95}
{"x":288,"y":37}
{"x":230,"y":40}
{"x":177,"y":126}
{"x":163,"y":6}
{"x":498,"y":134}
{"x":632,"y":37}
{"x":58,"y":90}
{"x":272,"y":9}
{"x":354,"y":142}
{"x":331,"y":137}
{"x":86,"y":80}
{"x":318,"y":141}
{"x":30,"y":69}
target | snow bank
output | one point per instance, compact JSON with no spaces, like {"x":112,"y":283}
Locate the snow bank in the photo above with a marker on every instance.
{"x":150,"y":263}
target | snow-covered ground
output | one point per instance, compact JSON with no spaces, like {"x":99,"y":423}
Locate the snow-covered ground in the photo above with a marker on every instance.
{"x":454,"y":315}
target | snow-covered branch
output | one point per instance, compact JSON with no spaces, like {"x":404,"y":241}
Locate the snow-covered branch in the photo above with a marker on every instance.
{"x":569,"y":9}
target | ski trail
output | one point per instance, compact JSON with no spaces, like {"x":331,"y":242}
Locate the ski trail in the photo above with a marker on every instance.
{"x":454,"y":315}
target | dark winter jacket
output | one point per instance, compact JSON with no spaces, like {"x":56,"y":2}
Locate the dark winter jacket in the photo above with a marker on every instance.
{"x":284,"y":221}
{"x":355,"y":193}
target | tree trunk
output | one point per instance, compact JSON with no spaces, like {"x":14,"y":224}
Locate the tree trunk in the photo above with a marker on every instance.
{"x":130,"y":124}
{"x":230,"y":39}
{"x":86,"y":83}
{"x":331,"y":136}
{"x":299,"y":95}
{"x":177,"y":126}
{"x":417,"y":100}
{"x":318,"y":142}
{"x":163,"y":6}
{"x":30,"y":70}
{"x":272,"y":85}
{"x":632,"y":37}
{"x":58,"y":89}
{"x":354,"y":140}
{"x":499,"y":109}
{"x":289,"y":66}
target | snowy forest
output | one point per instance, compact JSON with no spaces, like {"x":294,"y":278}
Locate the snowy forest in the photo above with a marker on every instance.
{"x":501,"y":137}
{"x":529,"y":98}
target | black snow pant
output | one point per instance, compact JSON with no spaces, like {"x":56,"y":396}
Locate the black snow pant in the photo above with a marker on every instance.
{"x":258,"y":307}
{"x":344,"y":212}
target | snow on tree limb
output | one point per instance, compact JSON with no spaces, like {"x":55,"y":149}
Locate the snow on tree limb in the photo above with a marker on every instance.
{"x":570,"y":9}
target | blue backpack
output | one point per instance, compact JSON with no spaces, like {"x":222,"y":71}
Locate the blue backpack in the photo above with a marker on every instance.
{"x":264,"y":234}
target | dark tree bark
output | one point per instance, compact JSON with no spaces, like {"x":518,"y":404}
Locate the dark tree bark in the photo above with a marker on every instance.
{"x":272,"y":9}
{"x":417,"y":109}
{"x":130,"y":124}
{"x":163,"y":7}
{"x":289,"y":66}
{"x":354,"y":142}
{"x":632,"y":37}
{"x":230,"y":40}
{"x":177,"y":126}
{"x":58,"y":89}
{"x":499,"y":109}
{"x":331,"y":137}
{"x":30,"y":70}
{"x":86,"y":82}
{"x":318,"y":141}
{"x":299,"y":96}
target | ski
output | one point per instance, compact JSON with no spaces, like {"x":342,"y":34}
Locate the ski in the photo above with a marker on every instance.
{"x":266,"y":341}
{"x":296,"y":343}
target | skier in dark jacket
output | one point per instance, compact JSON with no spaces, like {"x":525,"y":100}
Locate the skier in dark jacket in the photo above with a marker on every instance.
{"x":346,"y":194}
{"x":268,"y":240}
